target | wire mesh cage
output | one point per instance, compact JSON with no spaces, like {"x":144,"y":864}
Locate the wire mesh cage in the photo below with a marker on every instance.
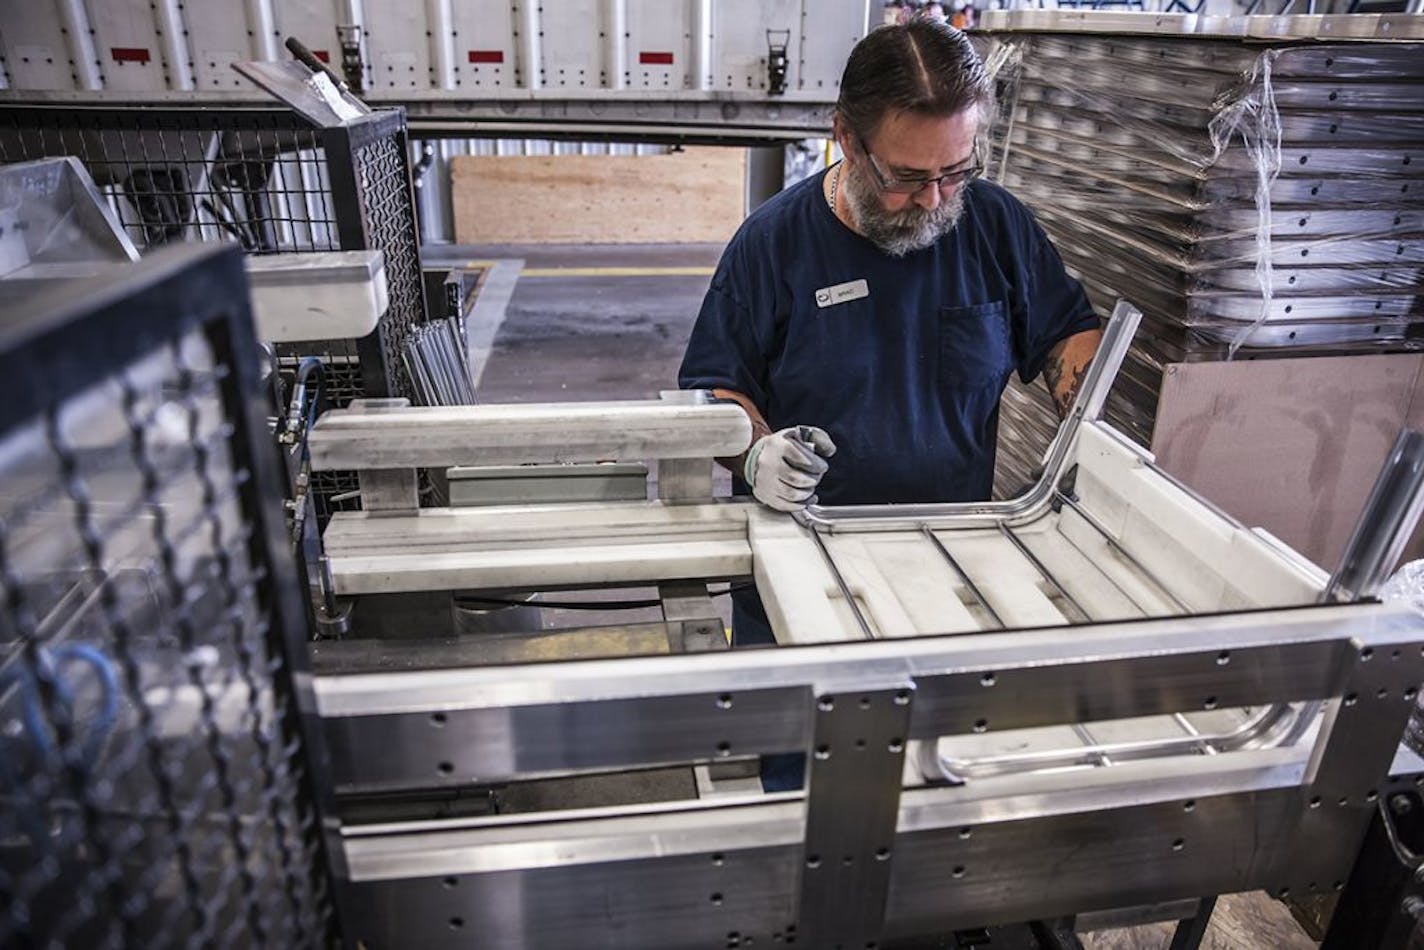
{"x":270,"y":181}
{"x":155,"y":790}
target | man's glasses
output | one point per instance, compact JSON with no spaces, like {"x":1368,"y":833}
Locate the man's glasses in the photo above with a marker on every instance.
{"x":910,"y":186}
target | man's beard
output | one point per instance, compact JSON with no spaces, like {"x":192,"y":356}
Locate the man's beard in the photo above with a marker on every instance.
{"x":902,"y":232}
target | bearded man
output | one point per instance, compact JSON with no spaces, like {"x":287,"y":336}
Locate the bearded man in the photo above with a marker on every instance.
{"x":867,"y":319}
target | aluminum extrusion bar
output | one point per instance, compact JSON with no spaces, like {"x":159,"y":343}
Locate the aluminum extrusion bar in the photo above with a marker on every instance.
{"x":535,"y":546}
{"x":964,"y":576}
{"x":1388,"y":520}
{"x":420,"y":437}
{"x":367,"y":654}
{"x":497,"y":724}
{"x":542,"y":567}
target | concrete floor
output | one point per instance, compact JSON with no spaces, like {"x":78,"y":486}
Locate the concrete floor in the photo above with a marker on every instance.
{"x":610,"y":322}
{"x":590,"y":323}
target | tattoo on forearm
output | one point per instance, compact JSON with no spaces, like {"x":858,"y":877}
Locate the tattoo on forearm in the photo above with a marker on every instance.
{"x":1052,"y":373}
{"x":1070,"y":391}
{"x":1063,"y":383}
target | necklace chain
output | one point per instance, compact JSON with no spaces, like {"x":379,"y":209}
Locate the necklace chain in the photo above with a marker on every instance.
{"x":835,"y":181}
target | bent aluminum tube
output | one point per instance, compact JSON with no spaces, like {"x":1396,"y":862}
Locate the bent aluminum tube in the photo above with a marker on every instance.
{"x":1387,"y":522}
{"x":1256,"y":732}
{"x":1087,"y":405}
{"x":1385,"y":525}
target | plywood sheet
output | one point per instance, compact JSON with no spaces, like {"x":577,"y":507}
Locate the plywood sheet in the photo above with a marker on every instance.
{"x":1291,"y":445}
{"x":689,"y":196}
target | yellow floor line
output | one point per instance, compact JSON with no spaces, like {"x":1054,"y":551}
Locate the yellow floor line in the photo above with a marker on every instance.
{"x":616,"y":272}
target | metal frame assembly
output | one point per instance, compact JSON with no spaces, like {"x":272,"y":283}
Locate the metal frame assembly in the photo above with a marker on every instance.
{"x":1087,"y":700}
{"x":232,"y":717}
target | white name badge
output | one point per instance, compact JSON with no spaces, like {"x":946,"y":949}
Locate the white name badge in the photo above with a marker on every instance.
{"x":841,"y":293}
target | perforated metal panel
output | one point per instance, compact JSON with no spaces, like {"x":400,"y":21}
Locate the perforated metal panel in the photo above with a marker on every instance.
{"x":387,"y":212}
{"x":153,"y":781}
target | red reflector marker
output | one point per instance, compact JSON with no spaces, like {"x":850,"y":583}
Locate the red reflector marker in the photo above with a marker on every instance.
{"x":323,"y":55}
{"x":486,"y":55}
{"x":655,"y":59}
{"x":129,"y":54}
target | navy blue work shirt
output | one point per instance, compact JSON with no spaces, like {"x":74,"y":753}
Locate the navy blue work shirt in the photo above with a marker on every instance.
{"x":904,"y":370}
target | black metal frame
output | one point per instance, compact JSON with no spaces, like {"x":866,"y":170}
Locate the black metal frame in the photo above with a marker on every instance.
{"x":1382,"y":904}
{"x":68,"y":338}
{"x":343,"y":188}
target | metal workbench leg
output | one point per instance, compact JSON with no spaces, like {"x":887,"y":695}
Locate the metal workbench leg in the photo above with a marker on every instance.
{"x":1190,"y":931}
{"x":1382,"y":904}
{"x":1056,"y":934}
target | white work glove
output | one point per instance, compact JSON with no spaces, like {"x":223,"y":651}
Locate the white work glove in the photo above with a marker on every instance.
{"x":785,"y":467}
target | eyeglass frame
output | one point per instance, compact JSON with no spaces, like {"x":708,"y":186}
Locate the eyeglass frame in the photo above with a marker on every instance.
{"x":956,"y":179}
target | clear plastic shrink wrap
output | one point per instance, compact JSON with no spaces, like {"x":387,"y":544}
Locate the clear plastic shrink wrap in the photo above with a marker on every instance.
{"x":1252,"y":198}
{"x":1408,"y":584}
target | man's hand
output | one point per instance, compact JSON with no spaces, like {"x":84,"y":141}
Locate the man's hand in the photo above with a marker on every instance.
{"x":785,"y":467}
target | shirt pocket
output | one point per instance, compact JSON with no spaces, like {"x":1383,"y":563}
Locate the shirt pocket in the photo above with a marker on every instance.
{"x":974,"y":349}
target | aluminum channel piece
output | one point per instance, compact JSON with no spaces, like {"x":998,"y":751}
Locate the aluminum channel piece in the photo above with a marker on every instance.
{"x":492,"y":724}
{"x":852,"y":807}
{"x":656,"y":876}
{"x":1087,"y":406}
{"x":1386,"y":523}
{"x":438,"y":436}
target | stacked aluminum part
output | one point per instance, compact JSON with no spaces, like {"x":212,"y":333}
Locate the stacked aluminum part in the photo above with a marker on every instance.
{"x":1257,"y":196}
{"x":439,"y":368}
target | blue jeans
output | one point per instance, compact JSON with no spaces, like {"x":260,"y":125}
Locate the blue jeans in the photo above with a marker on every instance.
{"x":785,"y":771}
